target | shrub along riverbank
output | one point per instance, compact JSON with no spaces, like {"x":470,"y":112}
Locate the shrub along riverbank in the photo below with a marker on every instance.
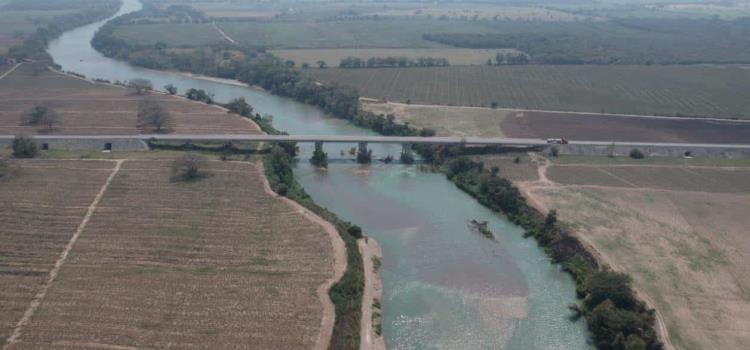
{"x":88,"y":11}
{"x":347,"y":293}
{"x":616,"y":318}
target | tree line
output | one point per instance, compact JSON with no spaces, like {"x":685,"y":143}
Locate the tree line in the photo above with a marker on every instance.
{"x":613,"y":313}
{"x":616,"y":41}
{"x":34,"y":47}
{"x":393,"y":62}
{"x":252,"y":66}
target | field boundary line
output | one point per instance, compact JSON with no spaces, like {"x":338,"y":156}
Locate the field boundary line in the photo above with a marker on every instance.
{"x":10,"y":70}
{"x":39,"y":297}
{"x":593,"y":114}
{"x":339,"y":262}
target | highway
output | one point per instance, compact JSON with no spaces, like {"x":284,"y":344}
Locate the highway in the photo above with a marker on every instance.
{"x":435,"y":140}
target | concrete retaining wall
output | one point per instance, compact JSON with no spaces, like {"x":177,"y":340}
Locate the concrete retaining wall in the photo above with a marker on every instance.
{"x":87,"y":145}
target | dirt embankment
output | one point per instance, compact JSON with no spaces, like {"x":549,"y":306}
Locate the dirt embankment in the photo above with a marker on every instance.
{"x":339,"y":265}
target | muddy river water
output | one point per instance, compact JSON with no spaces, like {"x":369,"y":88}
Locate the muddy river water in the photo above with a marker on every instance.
{"x":445,"y":287}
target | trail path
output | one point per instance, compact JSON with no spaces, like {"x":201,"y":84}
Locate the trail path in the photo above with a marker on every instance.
{"x":39,"y":297}
{"x":593,"y":114}
{"x":10,"y":71}
{"x":223,"y":33}
{"x":339,"y":263}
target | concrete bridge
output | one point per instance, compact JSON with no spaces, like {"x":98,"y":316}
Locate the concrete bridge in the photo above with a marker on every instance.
{"x":131,"y":142}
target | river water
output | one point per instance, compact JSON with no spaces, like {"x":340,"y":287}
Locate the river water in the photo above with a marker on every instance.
{"x":445,"y":287}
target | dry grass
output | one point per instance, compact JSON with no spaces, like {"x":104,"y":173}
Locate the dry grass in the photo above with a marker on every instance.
{"x":205,"y":264}
{"x":445,"y":120}
{"x":488,"y":122}
{"x":88,"y":109}
{"x":679,"y":231}
{"x":698,"y":179}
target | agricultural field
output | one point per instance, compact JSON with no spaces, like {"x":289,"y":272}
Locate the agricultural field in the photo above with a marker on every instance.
{"x":332,"y":57}
{"x":484,"y":12}
{"x":42,"y":202}
{"x":383,"y":33}
{"x":679,"y":230}
{"x":445,"y":120}
{"x":209,"y":263}
{"x":488,"y":122}
{"x":699,"y":90}
{"x":172,"y":34}
{"x":86,"y":108}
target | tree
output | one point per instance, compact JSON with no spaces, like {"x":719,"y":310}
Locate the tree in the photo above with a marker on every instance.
{"x":636,"y":154}
{"x":188,"y":167}
{"x":141,"y":86}
{"x":200,"y":95}
{"x":608,"y":285}
{"x":171,"y":89}
{"x":550,"y":220}
{"x":24,"y":147}
{"x":240,"y":106}
{"x":319,"y":158}
{"x":355,"y":231}
{"x":41,"y":116}
{"x":3,"y":166}
{"x":152,"y":115}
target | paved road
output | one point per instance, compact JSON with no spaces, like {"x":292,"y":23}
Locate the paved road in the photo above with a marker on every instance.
{"x":368,"y":139}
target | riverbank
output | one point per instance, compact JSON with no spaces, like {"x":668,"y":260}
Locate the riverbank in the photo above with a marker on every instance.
{"x":372,"y":309}
{"x":424,"y":304}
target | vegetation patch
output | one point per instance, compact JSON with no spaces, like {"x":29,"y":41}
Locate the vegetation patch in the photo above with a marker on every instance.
{"x":347,"y":293}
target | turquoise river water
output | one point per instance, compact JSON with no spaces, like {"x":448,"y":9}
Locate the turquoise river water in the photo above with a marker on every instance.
{"x":445,"y":287}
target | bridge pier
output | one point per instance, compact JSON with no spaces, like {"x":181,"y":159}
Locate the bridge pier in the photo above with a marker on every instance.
{"x":407,"y":154}
{"x":319,"y":158}
{"x":364,"y":156}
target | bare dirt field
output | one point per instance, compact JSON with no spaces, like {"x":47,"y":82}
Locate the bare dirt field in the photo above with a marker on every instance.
{"x":204,"y":264}
{"x":42,"y":204}
{"x":700,"y":179}
{"x":622,"y":128}
{"x":86,"y":108}
{"x":488,"y":122}
{"x":680,"y":232}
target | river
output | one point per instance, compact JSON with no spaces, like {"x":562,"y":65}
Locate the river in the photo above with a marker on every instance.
{"x":445,"y":287}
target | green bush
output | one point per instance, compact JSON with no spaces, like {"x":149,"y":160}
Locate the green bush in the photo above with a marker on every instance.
{"x":24,"y":147}
{"x":636,"y":154}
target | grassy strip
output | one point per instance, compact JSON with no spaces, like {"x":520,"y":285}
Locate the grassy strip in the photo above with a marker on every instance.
{"x":614,"y":315}
{"x":347,"y":293}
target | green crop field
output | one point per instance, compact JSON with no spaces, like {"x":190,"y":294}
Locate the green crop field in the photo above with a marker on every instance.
{"x":390,"y":33}
{"x":665,"y":90}
{"x":172,"y":34}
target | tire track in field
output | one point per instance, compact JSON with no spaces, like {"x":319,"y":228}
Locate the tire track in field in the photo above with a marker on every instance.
{"x":10,"y":71}
{"x":39,"y":297}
